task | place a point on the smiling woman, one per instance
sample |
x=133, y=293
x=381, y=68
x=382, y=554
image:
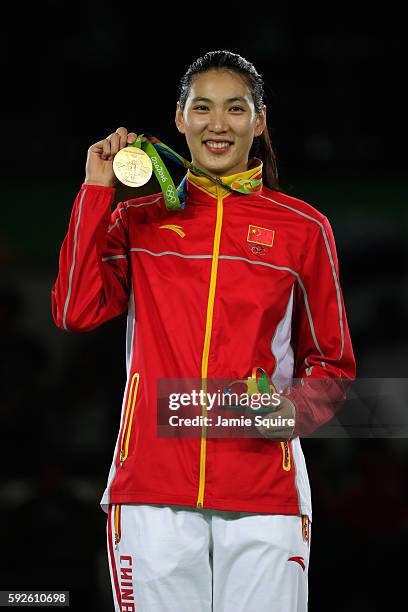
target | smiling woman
x=221, y=112
x=243, y=279
x=219, y=132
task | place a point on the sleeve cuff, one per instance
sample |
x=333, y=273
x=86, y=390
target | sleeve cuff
x=94, y=187
x=289, y=399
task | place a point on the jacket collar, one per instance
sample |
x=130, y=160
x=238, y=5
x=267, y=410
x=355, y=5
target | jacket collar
x=241, y=179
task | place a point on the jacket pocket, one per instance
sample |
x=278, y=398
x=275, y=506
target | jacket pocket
x=286, y=459
x=117, y=523
x=128, y=418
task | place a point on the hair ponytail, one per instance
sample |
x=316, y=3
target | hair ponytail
x=262, y=148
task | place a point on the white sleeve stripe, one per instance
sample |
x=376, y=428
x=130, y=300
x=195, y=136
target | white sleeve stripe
x=309, y=315
x=126, y=206
x=114, y=257
x=336, y=282
x=143, y=203
x=111, y=227
x=71, y=272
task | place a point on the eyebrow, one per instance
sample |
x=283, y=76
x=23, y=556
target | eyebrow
x=235, y=99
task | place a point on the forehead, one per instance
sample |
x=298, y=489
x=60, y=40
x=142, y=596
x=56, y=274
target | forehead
x=219, y=85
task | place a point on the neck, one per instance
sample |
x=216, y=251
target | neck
x=253, y=162
x=246, y=181
x=243, y=167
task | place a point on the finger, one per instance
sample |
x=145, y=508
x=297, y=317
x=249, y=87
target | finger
x=101, y=148
x=105, y=149
x=114, y=140
x=131, y=137
x=97, y=147
x=273, y=432
x=122, y=131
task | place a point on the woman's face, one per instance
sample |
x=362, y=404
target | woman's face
x=220, y=122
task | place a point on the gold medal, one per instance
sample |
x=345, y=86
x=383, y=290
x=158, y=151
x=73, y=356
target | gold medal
x=132, y=166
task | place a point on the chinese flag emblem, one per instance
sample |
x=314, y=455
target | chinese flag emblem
x=260, y=235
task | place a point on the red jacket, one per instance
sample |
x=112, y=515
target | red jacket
x=230, y=282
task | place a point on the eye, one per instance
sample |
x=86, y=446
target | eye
x=200, y=107
x=237, y=108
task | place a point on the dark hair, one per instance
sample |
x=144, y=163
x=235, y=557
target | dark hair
x=226, y=60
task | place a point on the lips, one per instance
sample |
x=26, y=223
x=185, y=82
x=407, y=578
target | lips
x=218, y=146
x=217, y=141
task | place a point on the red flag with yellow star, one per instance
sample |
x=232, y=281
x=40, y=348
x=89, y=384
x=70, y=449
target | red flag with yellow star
x=260, y=235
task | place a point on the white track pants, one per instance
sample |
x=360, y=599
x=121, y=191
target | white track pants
x=176, y=558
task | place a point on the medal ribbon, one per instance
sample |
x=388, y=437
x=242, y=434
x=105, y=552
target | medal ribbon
x=175, y=198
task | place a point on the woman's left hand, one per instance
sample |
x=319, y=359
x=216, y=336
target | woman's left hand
x=283, y=428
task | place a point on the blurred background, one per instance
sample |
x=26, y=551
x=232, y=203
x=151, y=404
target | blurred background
x=336, y=115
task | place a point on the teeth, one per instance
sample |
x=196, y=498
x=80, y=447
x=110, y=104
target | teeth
x=217, y=145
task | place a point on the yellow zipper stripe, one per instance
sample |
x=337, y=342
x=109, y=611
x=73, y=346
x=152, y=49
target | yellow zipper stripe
x=124, y=448
x=285, y=455
x=207, y=340
x=118, y=534
x=305, y=528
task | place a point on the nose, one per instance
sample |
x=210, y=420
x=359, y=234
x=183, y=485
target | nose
x=217, y=122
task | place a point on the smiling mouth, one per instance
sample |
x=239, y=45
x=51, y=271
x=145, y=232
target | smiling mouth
x=217, y=146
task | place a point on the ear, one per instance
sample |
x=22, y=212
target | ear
x=260, y=124
x=179, y=119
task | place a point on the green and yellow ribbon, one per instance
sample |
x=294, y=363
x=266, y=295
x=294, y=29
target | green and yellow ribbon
x=175, y=197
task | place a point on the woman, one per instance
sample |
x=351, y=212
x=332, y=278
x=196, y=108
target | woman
x=242, y=276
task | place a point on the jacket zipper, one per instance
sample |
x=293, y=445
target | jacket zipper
x=285, y=455
x=128, y=418
x=207, y=340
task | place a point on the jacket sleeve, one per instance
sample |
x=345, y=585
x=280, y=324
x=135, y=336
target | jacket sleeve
x=92, y=285
x=324, y=360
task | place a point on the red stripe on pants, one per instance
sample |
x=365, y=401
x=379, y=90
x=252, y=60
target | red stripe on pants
x=112, y=557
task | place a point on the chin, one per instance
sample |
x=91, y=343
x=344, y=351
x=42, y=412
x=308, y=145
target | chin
x=220, y=168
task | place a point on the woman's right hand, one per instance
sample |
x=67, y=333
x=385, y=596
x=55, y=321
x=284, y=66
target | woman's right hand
x=99, y=163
